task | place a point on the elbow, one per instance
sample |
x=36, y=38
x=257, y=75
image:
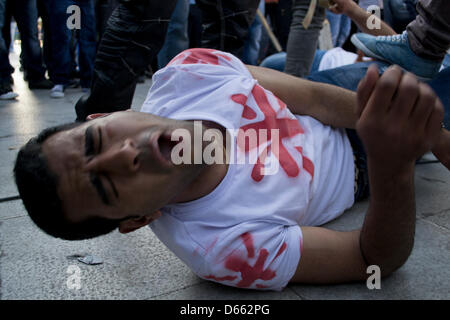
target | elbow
x=389, y=262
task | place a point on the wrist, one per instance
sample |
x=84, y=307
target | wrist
x=390, y=169
x=351, y=9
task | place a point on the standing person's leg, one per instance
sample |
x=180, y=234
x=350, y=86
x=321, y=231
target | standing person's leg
x=226, y=23
x=60, y=35
x=252, y=42
x=26, y=15
x=429, y=33
x=5, y=68
x=302, y=43
x=195, y=26
x=134, y=34
x=177, y=34
x=87, y=43
x=46, y=50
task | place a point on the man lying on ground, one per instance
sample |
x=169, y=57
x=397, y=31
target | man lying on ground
x=282, y=165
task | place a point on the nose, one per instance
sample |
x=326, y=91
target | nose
x=119, y=158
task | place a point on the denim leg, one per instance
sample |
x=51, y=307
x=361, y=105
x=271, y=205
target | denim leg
x=344, y=30
x=334, y=20
x=60, y=35
x=87, y=42
x=252, y=43
x=275, y=61
x=176, y=37
x=349, y=76
x=134, y=34
x=5, y=67
x=25, y=14
x=302, y=43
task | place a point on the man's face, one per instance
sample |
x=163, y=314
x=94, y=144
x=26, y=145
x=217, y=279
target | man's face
x=117, y=166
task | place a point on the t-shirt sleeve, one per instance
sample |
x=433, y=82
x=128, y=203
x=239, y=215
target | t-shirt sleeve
x=255, y=255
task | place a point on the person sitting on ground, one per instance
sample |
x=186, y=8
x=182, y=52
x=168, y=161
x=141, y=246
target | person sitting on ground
x=253, y=223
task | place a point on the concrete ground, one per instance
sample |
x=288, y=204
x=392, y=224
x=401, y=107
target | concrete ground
x=138, y=266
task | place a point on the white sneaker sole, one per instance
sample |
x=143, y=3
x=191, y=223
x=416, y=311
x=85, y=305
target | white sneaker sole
x=57, y=95
x=9, y=96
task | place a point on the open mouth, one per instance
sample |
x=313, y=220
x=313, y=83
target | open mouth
x=162, y=146
x=166, y=145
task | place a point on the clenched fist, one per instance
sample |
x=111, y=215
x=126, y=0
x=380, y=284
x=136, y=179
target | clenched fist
x=399, y=118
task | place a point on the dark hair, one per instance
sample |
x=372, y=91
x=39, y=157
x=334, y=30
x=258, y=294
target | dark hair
x=37, y=187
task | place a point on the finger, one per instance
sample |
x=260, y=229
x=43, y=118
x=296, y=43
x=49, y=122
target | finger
x=405, y=97
x=381, y=98
x=433, y=127
x=424, y=107
x=365, y=88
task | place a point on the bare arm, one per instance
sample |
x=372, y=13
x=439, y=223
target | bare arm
x=398, y=121
x=361, y=17
x=331, y=105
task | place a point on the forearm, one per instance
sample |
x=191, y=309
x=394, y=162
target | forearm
x=360, y=17
x=387, y=235
x=329, y=104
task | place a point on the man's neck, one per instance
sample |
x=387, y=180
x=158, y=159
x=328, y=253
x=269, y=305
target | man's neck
x=210, y=176
x=208, y=179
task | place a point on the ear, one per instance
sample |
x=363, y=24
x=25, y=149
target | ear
x=96, y=115
x=133, y=224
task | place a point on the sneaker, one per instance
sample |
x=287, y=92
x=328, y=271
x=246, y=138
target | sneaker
x=6, y=92
x=396, y=50
x=40, y=84
x=57, y=91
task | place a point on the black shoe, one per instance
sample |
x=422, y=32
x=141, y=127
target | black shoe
x=40, y=84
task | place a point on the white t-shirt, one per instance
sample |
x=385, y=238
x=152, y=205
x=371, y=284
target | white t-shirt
x=246, y=232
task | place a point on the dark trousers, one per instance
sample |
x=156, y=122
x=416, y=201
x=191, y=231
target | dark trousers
x=429, y=33
x=135, y=33
x=5, y=67
x=226, y=23
x=60, y=61
x=133, y=36
x=26, y=15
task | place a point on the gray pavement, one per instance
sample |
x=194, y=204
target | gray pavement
x=138, y=266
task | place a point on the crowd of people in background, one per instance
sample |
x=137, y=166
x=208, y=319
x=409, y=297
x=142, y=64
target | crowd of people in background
x=56, y=57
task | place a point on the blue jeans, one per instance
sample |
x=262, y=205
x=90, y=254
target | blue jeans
x=349, y=76
x=5, y=67
x=177, y=34
x=340, y=27
x=277, y=61
x=26, y=15
x=60, y=64
x=252, y=42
